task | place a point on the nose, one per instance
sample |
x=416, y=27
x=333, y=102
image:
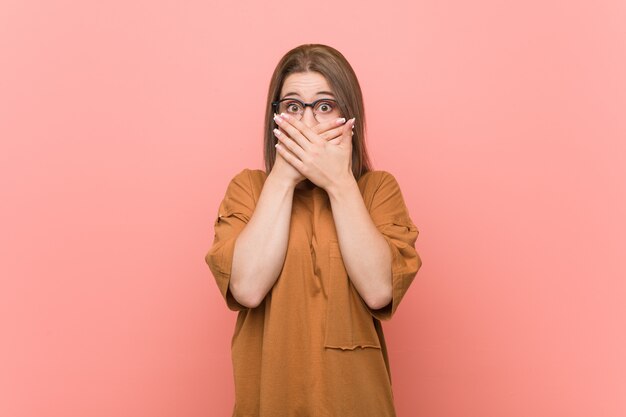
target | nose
x=308, y=117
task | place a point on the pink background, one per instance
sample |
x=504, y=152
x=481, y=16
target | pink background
x=122, y=122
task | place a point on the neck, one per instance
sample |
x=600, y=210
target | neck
x=305, y=185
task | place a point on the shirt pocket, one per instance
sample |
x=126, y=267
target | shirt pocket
x=348, y=322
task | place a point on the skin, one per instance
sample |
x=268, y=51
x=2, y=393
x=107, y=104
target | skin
x=311, y=153
x=312, y=81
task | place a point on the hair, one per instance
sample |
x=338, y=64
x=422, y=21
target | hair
x=341, y=78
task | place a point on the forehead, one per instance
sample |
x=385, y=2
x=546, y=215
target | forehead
x=305, y=84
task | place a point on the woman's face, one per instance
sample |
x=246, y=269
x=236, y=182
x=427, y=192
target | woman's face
x=308, y=87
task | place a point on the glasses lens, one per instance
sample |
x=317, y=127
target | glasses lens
x=291, y=107
x=326, y=109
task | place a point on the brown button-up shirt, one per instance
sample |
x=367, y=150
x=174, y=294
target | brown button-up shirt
x=313, y=347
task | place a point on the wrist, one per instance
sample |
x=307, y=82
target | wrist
x=281, y=181
x=342, y=186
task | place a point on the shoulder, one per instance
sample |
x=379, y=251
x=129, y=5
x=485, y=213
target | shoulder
x=248, y=182
x=375, y=179
x=256, y=179
x=249, y=176
x=385, y=200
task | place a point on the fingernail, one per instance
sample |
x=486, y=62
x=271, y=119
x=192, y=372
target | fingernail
x=277, y=118
x=340, y=120
x=284, y=116
x=277, y=132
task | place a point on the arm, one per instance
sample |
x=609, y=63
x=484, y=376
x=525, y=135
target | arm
x=261, y=246
x=364, y=250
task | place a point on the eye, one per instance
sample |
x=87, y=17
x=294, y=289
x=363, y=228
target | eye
x=293, y=106
x=325, y=106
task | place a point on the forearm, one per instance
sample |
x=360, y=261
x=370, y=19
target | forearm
x=261, y=246
x=365, y=252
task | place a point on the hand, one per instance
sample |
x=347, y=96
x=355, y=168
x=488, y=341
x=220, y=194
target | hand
x=323, y=162
x=327, y=131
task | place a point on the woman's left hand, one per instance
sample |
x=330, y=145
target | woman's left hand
x=325, y=162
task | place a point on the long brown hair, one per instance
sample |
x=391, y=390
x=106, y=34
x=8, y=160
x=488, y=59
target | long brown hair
x=342, y=80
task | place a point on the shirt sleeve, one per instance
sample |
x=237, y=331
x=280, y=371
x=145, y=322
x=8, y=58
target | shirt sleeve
x=233, y=214
x=391, y=217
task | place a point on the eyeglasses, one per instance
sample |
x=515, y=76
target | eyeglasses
x=323, y=109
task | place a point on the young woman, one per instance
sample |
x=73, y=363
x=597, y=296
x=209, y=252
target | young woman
x=313, y=252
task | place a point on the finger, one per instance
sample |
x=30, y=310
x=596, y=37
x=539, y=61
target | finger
x=304, y=132
x=289, y=143
x=336, y=135
x=289, y=157
x=332, y=134
x=348, y=132
x=280, y=154
x=339, y=138
x=285, y=122
x=325, y=126
x=336, y=140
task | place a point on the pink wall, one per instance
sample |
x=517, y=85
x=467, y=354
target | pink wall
x=122, y=122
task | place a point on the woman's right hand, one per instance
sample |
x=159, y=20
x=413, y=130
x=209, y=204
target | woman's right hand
x=285, y=171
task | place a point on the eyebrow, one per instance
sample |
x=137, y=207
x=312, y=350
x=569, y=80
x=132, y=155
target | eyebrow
x=293, y=93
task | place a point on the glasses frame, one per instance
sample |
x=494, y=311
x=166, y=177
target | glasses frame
x=275, y=104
